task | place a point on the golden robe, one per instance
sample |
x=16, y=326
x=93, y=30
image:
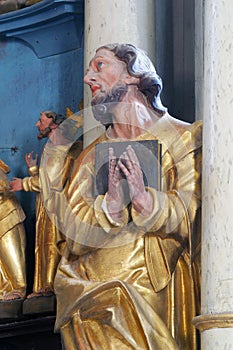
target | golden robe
x=134, y=283
x=50, y=241
x=12, y=242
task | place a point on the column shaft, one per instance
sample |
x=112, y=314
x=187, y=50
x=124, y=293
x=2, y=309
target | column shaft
x=217, y=229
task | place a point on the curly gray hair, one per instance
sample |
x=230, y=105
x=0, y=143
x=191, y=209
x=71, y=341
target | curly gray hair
x=139, y=65
x=57, y=118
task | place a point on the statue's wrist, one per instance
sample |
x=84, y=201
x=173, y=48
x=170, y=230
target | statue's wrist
x=143, y=204
x=114, y=207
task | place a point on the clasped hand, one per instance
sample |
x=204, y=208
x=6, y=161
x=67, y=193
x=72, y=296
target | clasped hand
x=127, y=164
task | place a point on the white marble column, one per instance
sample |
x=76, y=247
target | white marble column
x=216, y=94
x=128, y=21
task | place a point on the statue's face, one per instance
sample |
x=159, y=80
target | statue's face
x=44, y=126
x=105, y=75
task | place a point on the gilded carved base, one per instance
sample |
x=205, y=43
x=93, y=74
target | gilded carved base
x=10, y=310
x=40, y=305
x=221, y=320
x=16, y=309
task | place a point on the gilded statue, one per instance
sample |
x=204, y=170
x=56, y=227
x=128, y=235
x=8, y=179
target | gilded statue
x=12, y=242
x=50, y=241
x=129, y=277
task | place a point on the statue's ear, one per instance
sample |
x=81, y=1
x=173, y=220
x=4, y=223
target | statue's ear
x=130, y=80
x=54, y=126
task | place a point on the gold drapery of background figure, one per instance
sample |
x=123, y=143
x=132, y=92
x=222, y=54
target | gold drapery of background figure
x=49, y=243
x=154, y=306
x=12, y=242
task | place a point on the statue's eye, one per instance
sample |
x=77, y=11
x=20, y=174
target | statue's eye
x=99, y=64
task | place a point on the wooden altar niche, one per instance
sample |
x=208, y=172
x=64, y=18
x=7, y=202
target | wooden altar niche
x=50, y=30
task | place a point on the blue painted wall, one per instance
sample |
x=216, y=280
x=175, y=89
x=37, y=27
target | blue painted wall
x=28, y=85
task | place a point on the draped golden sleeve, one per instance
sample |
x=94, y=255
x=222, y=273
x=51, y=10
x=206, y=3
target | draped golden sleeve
x=32, y=183
x=134, y=283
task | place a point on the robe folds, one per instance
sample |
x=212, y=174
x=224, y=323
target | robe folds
x=49, y=240
x=12, y=242
x=134, y=283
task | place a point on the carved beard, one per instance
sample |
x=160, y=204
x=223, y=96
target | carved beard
x=102, y=105
x=44, y=133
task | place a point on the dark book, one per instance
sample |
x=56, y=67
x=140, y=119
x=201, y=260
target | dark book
x=148, y=153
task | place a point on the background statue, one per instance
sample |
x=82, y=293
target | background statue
x=49, y=239
x=12, y=242
x=129, y=276
x=13, y=5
